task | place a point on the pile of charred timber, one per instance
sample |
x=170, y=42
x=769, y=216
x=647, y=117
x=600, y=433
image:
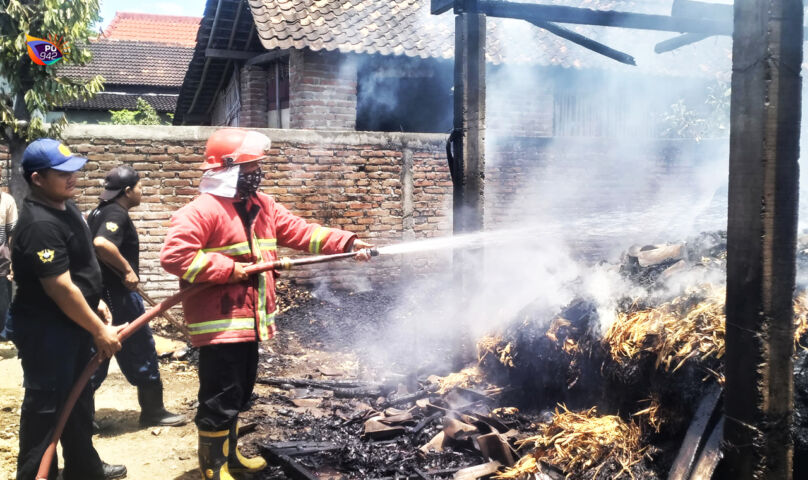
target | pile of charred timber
x=577, y=394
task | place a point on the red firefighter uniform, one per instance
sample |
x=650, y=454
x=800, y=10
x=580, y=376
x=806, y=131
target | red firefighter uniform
x=208, y=235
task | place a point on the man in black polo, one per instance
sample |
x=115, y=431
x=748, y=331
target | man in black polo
x=117, y=246
x=55, y=321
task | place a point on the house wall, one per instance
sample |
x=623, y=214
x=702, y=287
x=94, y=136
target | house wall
x=227, y=105
x=602, y=192
x=322, y=90
x=520, y=112
x=519, y=101
x=253, y=97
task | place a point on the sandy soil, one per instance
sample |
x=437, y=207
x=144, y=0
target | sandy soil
x=315, y=337
x=165, y=453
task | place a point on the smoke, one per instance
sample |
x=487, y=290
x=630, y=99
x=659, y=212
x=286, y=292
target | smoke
x=585, y=157
x=580, y=165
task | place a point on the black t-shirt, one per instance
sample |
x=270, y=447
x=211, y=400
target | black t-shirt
x=47, y=243
x=112, y=222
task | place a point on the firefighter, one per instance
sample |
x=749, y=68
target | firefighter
x=212, y=239
x=54, y=316
x=118, y=249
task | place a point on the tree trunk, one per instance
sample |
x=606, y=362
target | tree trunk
x=17, y=185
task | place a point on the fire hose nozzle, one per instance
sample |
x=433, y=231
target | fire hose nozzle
x=373, y=251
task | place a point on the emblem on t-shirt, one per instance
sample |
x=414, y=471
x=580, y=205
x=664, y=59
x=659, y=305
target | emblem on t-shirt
x=45, y=256
x=112, y=227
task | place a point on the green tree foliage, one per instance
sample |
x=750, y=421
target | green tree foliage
x=144, y=115
x=709, y=119
x=27, y=90
x=40, y=87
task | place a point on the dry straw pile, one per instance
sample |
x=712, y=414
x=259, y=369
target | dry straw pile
x=689, y=326
x=581, y=441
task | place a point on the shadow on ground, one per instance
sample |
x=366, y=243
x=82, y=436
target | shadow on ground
x=117, y=422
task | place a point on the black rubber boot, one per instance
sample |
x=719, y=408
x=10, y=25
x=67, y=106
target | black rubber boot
x=213, y=448
x=152, y=410
x=113, y=471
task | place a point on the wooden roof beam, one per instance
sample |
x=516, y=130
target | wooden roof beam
x=229, y=54
x=605, y=18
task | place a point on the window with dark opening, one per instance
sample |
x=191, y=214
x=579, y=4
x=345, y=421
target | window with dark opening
x=398, y=97
x=278, y=94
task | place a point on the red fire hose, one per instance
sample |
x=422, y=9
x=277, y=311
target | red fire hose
x=95, y=362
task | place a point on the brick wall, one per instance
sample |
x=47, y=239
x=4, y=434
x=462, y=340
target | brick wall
x=385, y=187
x=606, y=191
x=253, y=95
x=322, y=90
x=520, y=111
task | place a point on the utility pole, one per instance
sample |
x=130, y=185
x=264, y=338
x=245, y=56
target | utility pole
x=468, y=139
x=761, y=238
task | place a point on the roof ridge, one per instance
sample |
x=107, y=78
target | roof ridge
x=155, y=16
x=143, y=43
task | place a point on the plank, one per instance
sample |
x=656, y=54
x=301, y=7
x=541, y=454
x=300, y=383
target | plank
x=711, y=455
x=680, y=470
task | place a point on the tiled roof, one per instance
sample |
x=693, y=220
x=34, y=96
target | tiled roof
x=134, y=63
x=406, y=27
x=169, y=29
x=117, y=101
x=231, y=29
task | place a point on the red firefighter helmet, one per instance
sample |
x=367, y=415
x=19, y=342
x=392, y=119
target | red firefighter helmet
x=234, y=146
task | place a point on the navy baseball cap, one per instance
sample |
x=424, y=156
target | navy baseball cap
x=50, y=153
x=117, y=180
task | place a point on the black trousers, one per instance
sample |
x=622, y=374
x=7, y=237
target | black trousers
x=226, y=379
x=137, y=357
x=5, y=302
x=40, y=409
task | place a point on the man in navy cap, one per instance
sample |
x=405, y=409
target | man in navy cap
x=54, y=314
x=117, y=246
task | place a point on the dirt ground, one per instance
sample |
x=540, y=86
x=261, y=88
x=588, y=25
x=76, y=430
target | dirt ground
x=319, y=338
x=170, y=452
x=155, y=452
x=147, y=453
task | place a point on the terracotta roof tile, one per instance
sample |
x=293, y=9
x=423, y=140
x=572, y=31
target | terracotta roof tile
x=134, y=63
x=168, y=29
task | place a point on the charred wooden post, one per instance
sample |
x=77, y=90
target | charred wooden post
x=468, y=145
x=761, y=238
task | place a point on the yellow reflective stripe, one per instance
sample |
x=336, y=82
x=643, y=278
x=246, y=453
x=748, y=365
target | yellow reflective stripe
x=262, y=307
x=220, y=433
x=317, y=237
x=267, y=243
x=198, y=264
x=242, y=248
x=221, y=325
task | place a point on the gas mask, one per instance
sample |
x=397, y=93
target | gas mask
x=248, y=182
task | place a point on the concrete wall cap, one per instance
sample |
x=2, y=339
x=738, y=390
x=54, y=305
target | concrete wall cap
x=74, y=132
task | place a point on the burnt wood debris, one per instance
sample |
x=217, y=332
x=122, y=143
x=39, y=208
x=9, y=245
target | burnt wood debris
x=550, y=394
